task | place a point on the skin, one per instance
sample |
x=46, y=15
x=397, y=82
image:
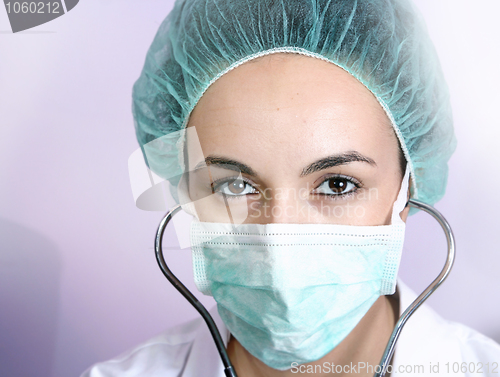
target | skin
x=274, y=118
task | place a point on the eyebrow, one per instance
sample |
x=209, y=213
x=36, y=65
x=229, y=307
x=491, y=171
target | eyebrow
x=336, y=160
x=322, y=164
x=226, y=163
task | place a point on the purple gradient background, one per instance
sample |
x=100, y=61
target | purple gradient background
x=78, y=279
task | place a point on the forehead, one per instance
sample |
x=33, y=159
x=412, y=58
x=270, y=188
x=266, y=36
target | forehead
x=293, y=104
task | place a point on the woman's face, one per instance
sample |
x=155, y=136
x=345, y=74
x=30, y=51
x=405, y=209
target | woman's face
x=293, y=139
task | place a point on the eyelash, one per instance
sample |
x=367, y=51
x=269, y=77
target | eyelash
x=357, y=184
x=219, y=182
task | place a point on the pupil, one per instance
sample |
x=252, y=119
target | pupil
x=237, y=187
x=338, y=185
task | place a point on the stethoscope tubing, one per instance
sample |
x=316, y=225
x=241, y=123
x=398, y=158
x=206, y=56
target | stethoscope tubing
x=450, y=239
x=228, y=368
x=391, y=345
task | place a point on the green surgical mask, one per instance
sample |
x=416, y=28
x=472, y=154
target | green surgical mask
x=290, y=293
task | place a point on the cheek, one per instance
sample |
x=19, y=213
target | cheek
x=379, y=207
x=365, y=207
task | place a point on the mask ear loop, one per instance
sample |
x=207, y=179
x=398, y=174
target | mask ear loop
x=450, y=238
x=228, y=368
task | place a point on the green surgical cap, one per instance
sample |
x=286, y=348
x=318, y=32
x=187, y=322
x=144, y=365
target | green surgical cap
x=382, y=43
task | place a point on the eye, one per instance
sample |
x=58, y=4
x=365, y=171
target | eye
x=337, y=186
x=233, y=187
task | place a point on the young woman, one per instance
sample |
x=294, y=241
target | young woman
x=313, y=122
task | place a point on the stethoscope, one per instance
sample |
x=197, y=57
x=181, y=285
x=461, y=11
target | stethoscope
x=391, y=345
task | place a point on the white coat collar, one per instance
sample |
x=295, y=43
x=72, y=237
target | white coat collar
x=424, y=341
x=203, y=358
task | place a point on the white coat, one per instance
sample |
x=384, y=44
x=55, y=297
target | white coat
x=428, y=346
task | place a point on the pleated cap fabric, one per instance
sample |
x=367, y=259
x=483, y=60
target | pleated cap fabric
x=382, y=43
